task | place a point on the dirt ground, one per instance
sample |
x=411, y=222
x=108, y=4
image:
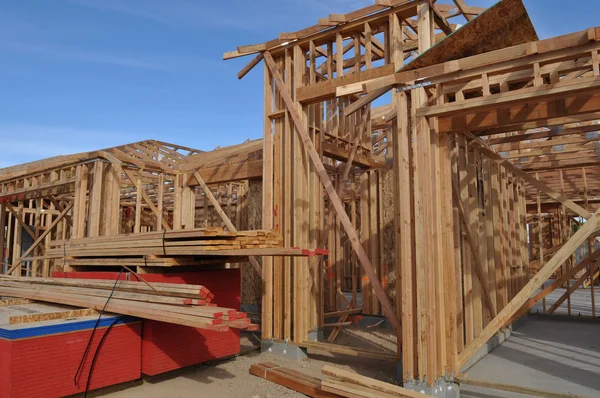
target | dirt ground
x=231, y=378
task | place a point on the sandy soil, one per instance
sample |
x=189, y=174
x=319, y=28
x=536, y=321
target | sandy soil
x=230, y=378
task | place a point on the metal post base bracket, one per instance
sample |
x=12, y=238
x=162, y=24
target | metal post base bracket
x=283, y=349
x=441, y=388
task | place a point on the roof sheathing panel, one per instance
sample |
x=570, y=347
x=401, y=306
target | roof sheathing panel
x=505, y=24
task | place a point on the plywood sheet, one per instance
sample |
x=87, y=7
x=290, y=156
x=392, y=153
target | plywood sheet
x=503, y=25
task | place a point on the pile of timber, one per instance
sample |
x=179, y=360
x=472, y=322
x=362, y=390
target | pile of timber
x=350, y=384
x=340, y=383
x=187, y=305
x=292, y=379
x=188, y=242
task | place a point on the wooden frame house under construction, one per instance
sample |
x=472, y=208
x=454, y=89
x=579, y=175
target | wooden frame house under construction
x=424, y=161
x=491, y=138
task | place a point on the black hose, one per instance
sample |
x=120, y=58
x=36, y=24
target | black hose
x=89, y=379
x=87, y=348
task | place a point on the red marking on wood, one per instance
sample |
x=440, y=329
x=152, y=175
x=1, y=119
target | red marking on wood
x=167, y=347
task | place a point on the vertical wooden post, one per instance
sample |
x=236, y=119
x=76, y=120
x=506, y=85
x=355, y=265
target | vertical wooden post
x=161, y=194
x=39, y=203
x=541, y=233
x=565, y=226
x=9, y=236
x=267, y=217
x=288, y=203
x=95, y=200
x=275, y=216
x=400, y=136
x=177, y=203
x=115, y=215
x=365, y=235
x=375, y=233
x=80, y=206
x=138, y=205
x=590, y=243
x=19, y=220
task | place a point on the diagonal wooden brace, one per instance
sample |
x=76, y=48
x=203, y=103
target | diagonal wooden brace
x=223, y=216
x=309, y=147
x=531, y=287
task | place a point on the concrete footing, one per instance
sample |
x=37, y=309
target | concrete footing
x=493, y=343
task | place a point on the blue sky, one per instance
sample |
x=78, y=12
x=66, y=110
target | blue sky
x=78, y=75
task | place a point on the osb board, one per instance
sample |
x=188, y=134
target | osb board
x=251, y=281
x=503, y=25
x=388, y=257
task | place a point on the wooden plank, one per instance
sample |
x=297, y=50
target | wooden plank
x=355, y=352
x=294, y=380
x=350, y=390
x=96, y=200
x=568, y=87
x=532, y=286
x=336, y=152
x=327, y=89
x=522, y=116
x=267, y=210
x=3, y=235
x=123, y=307
x=514, y=388
x=350, y=311
x=338, y=205
x=160, y=203
x=246, y=69
x=375, y=385
x=79, y=209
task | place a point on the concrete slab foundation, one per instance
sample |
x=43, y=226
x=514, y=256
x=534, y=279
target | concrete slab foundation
x=559, y=356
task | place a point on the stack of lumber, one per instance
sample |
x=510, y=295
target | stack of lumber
x=341, y=383
x=350, y=384
x=187, y=305
x=198, y=241
x=291, y=379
